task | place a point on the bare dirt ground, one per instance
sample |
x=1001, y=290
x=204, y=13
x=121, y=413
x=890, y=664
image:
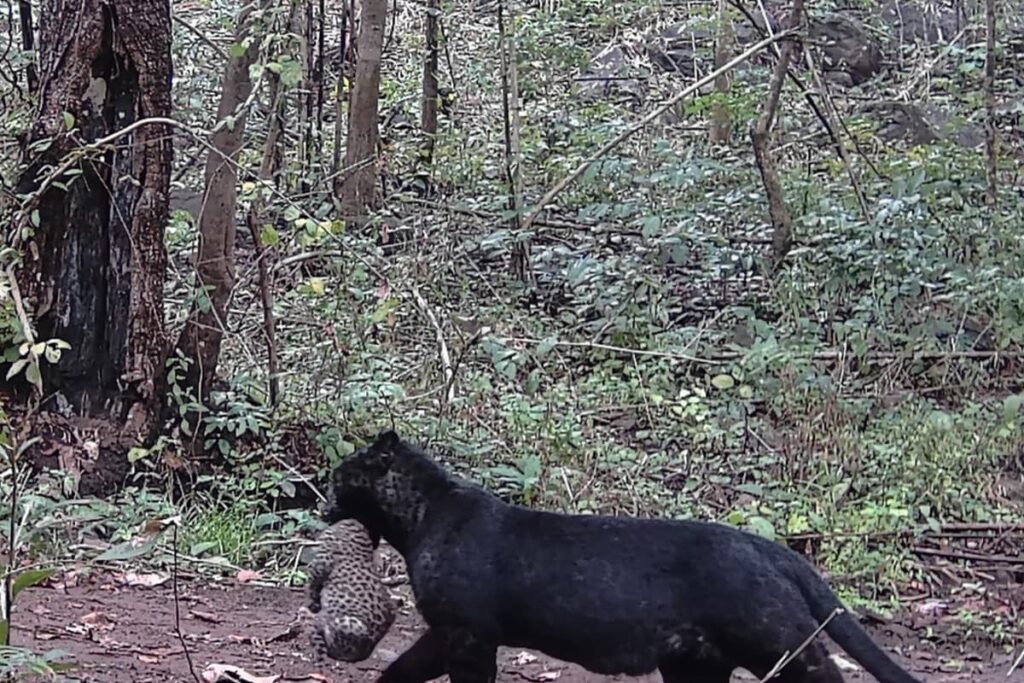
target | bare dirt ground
x=121, y=627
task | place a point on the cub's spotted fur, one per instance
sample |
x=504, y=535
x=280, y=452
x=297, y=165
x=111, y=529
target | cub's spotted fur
x=352, y=607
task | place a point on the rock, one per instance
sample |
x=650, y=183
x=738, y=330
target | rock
x=901, y=121
x=919, y=124
x=849, y=53
x=611, y=76
x=674, y=49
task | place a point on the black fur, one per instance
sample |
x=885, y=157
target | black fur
x=616, y=595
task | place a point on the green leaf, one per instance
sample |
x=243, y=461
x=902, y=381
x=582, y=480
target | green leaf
x=383, y=310
x=236, y=50
x=546, y=344
x=1012, y=405
x=34, y=218
x=266, y=519
x=736, y=517
x=16, y=367
x=650, y=226
x=69, y=120
x=761, y=527
x=33, y=376
x=723, y=382
x=198, y=549
x=52, y=354
x=746, y=391
x=291, y=73
x=127, y=550
x=29, y=578
x=752, y=489
x=269, y=236
x=136, y=453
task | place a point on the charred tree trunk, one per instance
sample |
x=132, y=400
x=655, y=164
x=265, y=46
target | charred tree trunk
x=27, y=41
x=358, y=190
x=95, y=262
x=200, y=341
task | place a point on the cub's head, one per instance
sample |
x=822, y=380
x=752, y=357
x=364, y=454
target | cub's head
x=386, y=486
x=358, y=486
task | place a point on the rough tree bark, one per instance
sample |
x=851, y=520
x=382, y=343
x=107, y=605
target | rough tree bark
x=782, y=224
x=992, y=189
x=721, y=123
x=358, y=187
x=428, y=118
x=95, y=261
x=200, y=341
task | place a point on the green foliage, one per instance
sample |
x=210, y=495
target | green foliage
x=653, y=365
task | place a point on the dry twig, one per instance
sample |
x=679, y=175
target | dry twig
x=643, y=123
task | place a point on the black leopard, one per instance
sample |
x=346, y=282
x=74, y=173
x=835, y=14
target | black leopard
x=616, y=595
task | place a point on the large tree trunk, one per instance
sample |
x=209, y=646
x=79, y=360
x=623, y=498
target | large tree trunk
x=358, y=190
x=94, y=254
x=201, y=338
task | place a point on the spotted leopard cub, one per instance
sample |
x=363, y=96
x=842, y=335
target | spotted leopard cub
x=351, y=605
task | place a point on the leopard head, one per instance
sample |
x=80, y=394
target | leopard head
x=386, y=486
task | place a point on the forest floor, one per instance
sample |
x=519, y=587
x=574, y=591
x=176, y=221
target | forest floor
x=121, y=626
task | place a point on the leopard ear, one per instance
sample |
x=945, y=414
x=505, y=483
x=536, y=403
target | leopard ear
x=385, y=445
x=386, y=441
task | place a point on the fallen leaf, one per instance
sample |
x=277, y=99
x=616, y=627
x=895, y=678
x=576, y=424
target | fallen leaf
x=148, y=659
x=43, y=635
x=931, y=607
x=246, y=575
x=97, y=621
x=549, y=676
x=205, y=616
x=145, y=580
x=843, y=663
x=225, y=673
x=524, y=658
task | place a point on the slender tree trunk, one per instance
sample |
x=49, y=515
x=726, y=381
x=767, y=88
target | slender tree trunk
x=991, y=154
x=358, y=189
x=782, y=224
x=510, y=108
x=341, y=96
x=428, y=118
x=27, y=41
x=309, y=83
x=257, y=222
x=95, y=262
x=320, y=68
x=200, y=340
x=721, y=123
